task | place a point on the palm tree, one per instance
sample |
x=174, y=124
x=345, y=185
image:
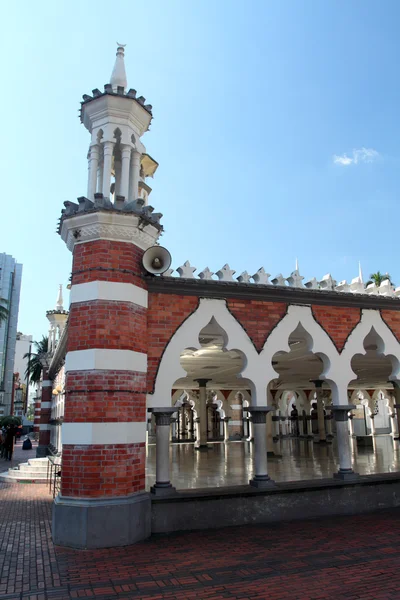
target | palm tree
x=3, y=310
x=378, y=278
x=35, y=367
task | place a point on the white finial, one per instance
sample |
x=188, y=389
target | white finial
x=360, y=273
x=59, y=303
x=118, y=75
x=297, y=264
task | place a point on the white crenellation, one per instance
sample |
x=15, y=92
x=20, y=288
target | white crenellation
x=226, y=273
x=312, y=284
x=295, y=279
x=244, y=277
x=186, y=270
x=327, y=282
x=279, y=280
x=261, y=277
x=206, y=274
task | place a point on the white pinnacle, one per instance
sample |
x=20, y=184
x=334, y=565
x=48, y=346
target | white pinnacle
x=118, y=75
x=59, y=303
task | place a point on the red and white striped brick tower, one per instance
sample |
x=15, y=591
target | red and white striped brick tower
x=57, y=319
x=103, y=500
x=36, y=418
x=45, y=411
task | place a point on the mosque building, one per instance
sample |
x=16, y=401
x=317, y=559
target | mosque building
x=249, y=383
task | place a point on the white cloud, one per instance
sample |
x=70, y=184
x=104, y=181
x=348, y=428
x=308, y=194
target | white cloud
x=359, y=155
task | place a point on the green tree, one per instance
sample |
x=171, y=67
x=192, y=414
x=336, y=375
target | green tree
x=34, y=368
x=3, y=310
x=378, y=277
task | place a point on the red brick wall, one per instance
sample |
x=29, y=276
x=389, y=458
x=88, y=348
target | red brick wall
x=105, y=396
x=102, y=471
x=105, y=324
x=257, y=317
x=337, y=321
x=103, y=260
x=392, y=320
x=166, y=313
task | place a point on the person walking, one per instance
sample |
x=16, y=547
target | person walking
x=9, y=442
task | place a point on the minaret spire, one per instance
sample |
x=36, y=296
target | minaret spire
x=59, y=303
x=360, y=274
x=118, y=75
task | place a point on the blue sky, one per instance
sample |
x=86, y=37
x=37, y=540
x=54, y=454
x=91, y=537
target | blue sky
x=252, y=102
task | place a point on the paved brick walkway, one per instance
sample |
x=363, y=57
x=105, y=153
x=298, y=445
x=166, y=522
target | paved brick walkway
x=339, y=558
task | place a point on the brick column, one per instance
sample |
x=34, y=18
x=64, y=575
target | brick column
x=103, y=500
x=36, y=418
x=45, y=413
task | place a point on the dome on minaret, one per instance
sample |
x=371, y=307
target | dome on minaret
x=118, y=75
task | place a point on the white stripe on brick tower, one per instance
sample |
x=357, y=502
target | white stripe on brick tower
x=104, y=426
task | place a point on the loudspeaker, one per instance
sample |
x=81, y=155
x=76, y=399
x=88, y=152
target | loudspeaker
x=156, y=260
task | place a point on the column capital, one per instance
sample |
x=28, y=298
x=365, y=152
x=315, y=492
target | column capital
x=259, y=413
x=109, y=145
x=163, y=415
x=317, y=382
x=202, y=382
x=341, y=411
x=126, y=150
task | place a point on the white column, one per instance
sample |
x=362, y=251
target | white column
x=162, y=485
x=93, y=164
x=261, y=478
x=126, y=159
x=202, y=445
x=396, y=406
x=371, y=418
x=270, y=435
x=351, y=424
x=107, y=165
x=320, y=412
x=134, y=175
x=226, y=429
x=343, y=441
x=393, y=422
x=100, y=177
x=329, y=432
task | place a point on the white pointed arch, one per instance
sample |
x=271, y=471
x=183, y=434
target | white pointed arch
x=319, y=342
x=187, y=336
x=388, y=344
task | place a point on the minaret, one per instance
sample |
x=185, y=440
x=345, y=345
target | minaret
x=116, y=120
x=103, y=501
x=57, y=319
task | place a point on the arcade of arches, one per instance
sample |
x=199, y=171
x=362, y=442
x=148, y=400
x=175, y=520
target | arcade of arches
x=212, y=431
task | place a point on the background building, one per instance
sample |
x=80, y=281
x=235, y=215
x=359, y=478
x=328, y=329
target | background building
x=10, y=286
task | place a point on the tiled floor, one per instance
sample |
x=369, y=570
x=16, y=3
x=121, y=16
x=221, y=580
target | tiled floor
x=232, y=463
x=340, y=558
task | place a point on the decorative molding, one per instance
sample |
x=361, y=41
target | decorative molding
x=84, y=434
x=104, y=359
x=107, y=225
x=110, y=291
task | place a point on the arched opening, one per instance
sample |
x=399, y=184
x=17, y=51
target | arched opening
x=301, y=391
x=220, y=368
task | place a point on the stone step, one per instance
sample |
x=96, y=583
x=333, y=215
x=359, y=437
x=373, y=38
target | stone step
x=38, y=461
x=15, y=476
